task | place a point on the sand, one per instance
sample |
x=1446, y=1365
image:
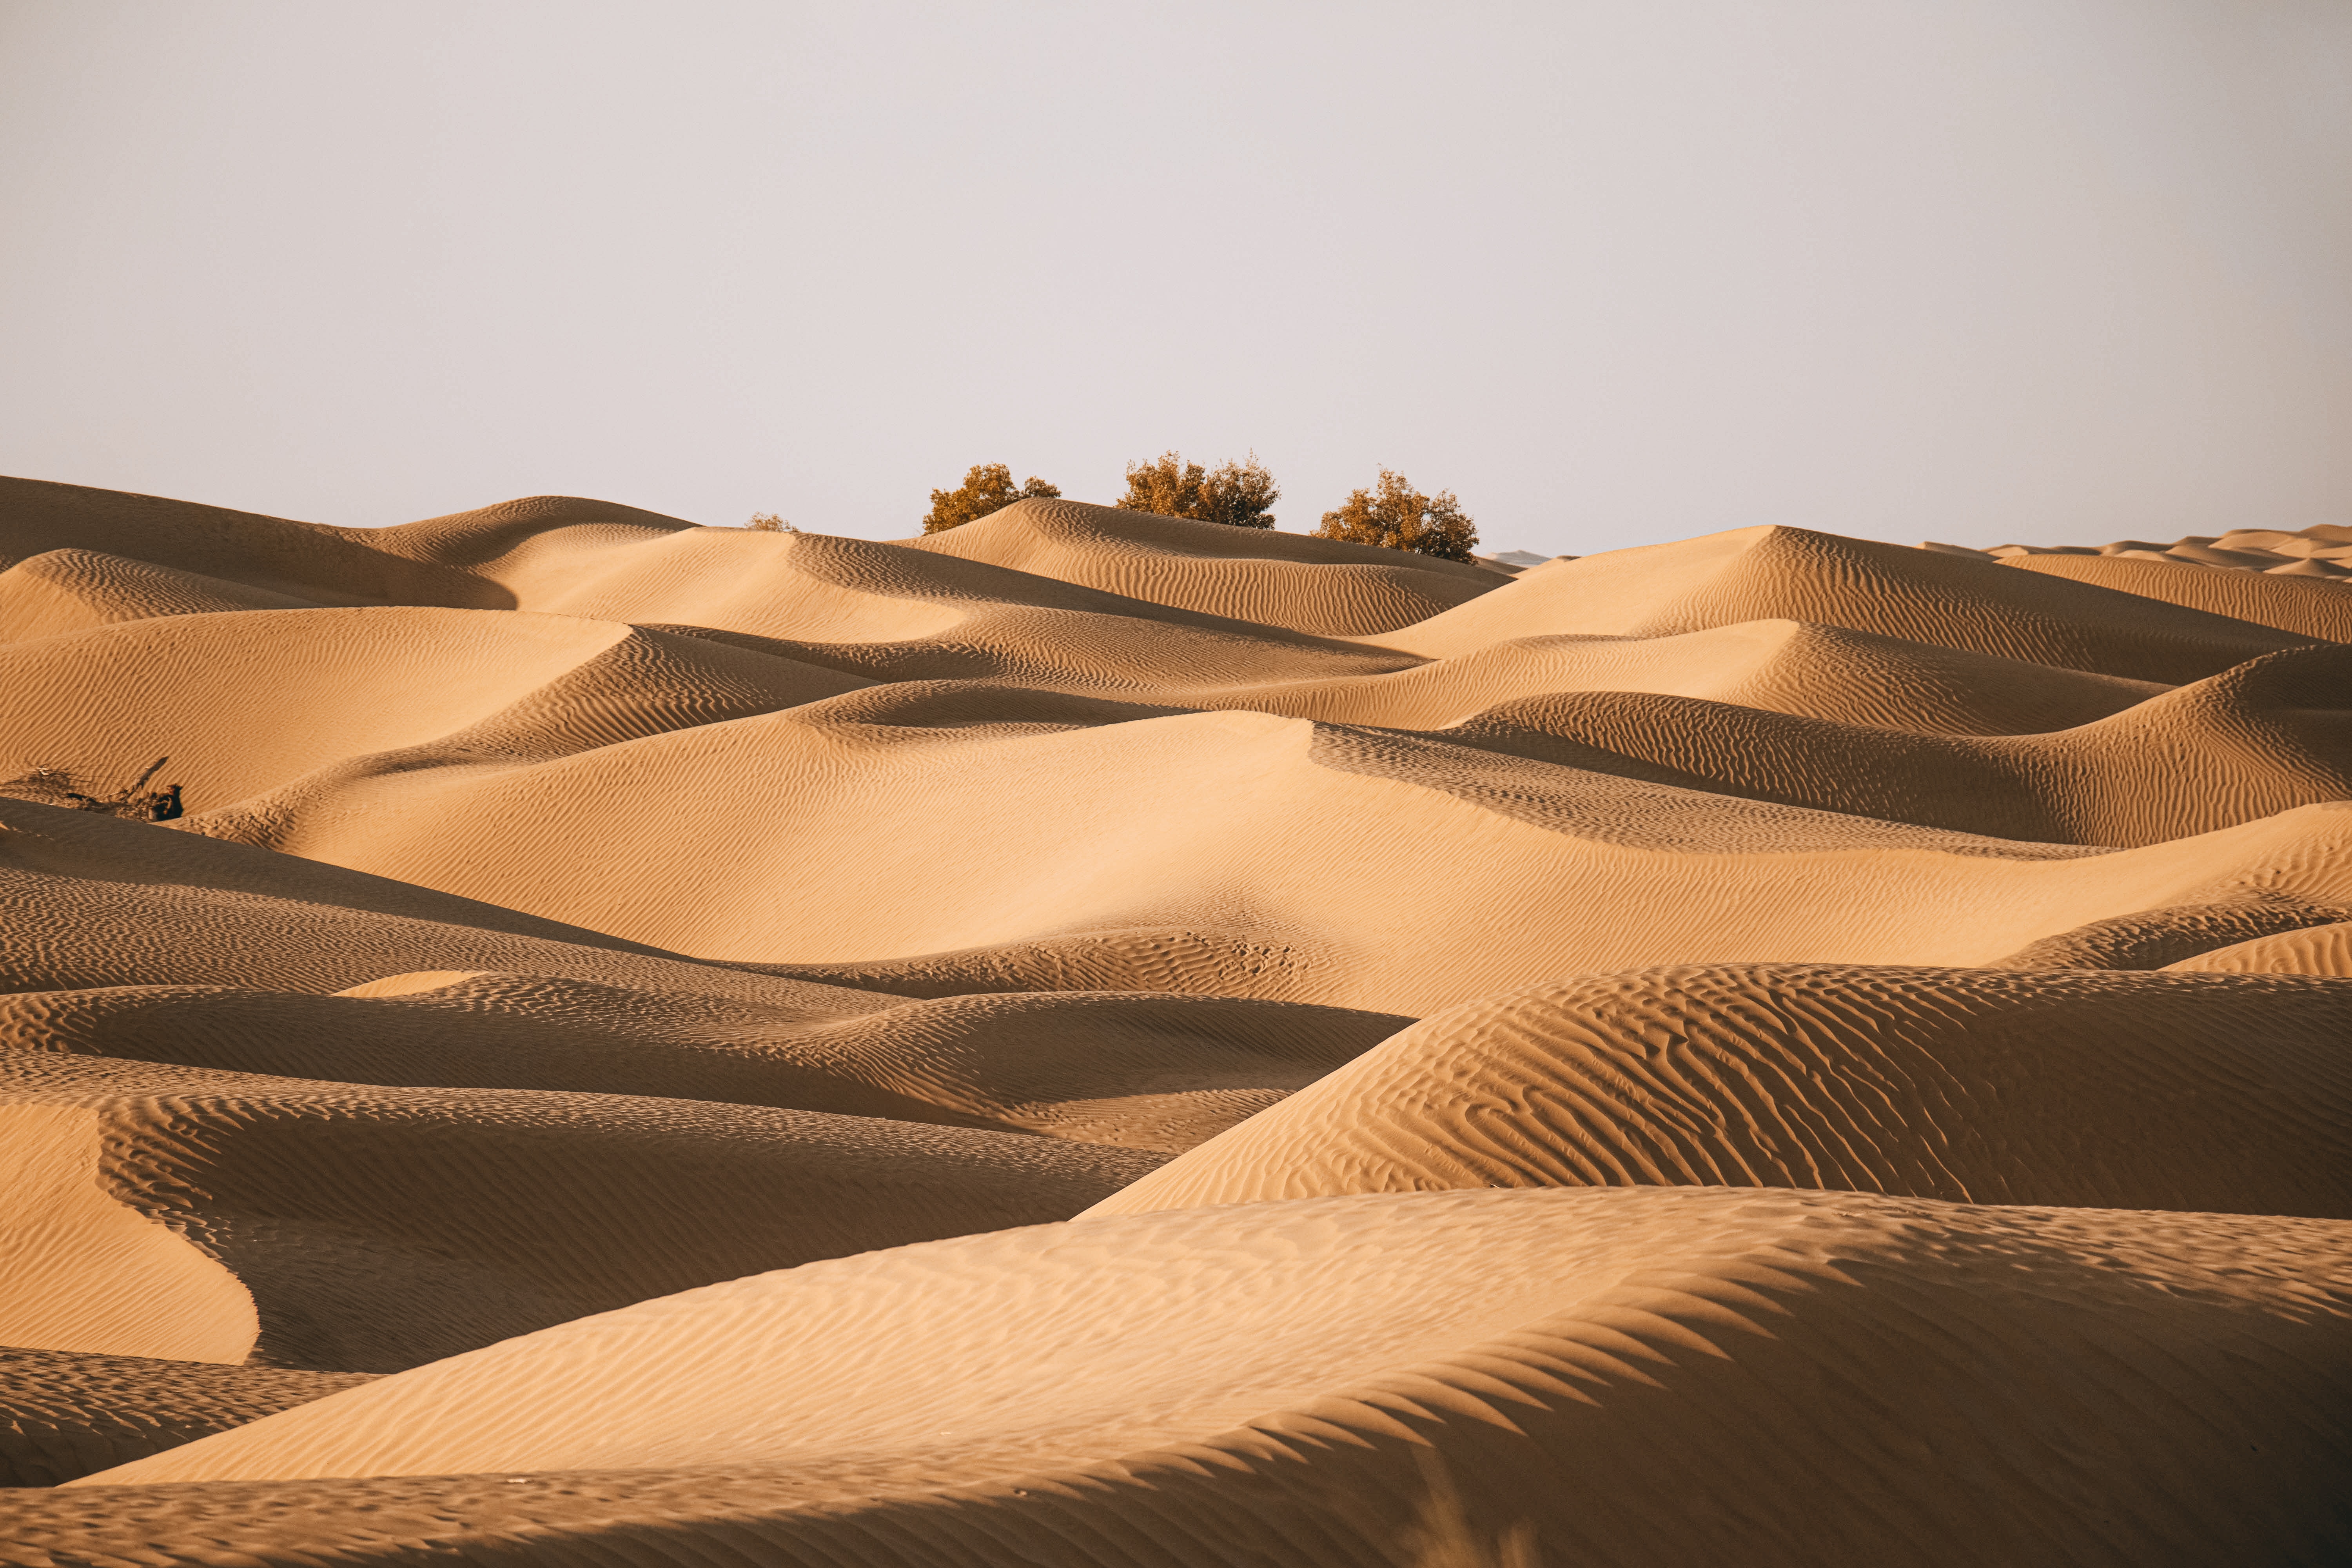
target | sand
x=329, y=1226
x=2316, y=950
x=1095, y=1038
x=1939, y=1383
x=69, y=1414
x=2222, y=1094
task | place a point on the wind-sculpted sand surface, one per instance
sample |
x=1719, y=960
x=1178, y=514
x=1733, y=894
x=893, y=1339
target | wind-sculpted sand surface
x=1097, y=1038
x=2093, y=1089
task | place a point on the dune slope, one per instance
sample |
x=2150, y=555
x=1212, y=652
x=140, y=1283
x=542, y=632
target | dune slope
x=1440, y=840
x=1792, y=573
x=1150, y=1070
x=242, y=703
x=2271, y=734
x=2103, y=1091
x=74, y=590
x=2299, y=605
x=64, y=1415
x=1776, y=1341
x=2312, y=950
x=1320, y=585
x=376, y=1228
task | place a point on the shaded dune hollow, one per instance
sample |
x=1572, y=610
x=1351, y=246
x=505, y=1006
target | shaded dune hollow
x=1114, y=1041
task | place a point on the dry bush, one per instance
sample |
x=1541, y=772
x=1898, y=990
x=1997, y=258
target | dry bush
x=51, y=785
x=1396, y=516
x=988, y=488
x=768, y=523
x=1240, y=495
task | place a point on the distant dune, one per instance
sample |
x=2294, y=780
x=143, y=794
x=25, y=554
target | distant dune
x=1099, y=1038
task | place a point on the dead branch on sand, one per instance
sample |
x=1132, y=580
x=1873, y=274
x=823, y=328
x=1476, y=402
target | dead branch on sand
x=51, y=786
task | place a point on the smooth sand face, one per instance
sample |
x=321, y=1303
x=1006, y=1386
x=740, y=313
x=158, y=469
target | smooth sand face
x=1097, y=1038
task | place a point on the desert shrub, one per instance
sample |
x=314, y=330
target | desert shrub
x=51, y=786
x=987, y=487
x=1396, y=516
x=1237, y=494
x=768, y=523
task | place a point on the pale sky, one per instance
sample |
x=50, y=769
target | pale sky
x=1614, y=271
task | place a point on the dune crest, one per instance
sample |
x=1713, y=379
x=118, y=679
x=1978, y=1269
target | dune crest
x=74, y=590
x=1792, y=573
x=1321, y=585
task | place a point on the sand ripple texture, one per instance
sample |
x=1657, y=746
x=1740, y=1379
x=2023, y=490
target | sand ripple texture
x=2124, y=1091
x=1775, y=1377
x=1097, y=1038
x=64, y=1413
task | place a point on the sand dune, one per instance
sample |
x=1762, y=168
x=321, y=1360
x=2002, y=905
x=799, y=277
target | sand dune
x=1150, y=1070
x=880, y=860
x=118, y=902
x=300, y=560
x=2167, y=934
x=1307, y=584
x=369, y=1229
x=243, y=702
x=64, y=1415
x=87, y=1272
x=73, y=590
x=2297, y=605
x=886, y=611
x=1767, y=1048
x=1778, y=666
x=2269, y=736
x=468, y=540
x=213, y=973
x=564, y=555
x=2315, y=950
x=1790, y=574
x=2324, y=552
x=2129, y=1091
x=1269, y=1373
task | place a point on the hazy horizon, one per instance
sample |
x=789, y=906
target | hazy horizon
x=1613, y=273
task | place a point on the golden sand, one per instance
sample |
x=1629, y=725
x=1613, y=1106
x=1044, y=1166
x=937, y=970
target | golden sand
x=1095, y=1039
